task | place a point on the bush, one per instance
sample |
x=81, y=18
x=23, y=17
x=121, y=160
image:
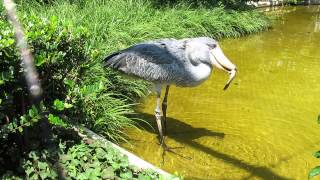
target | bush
x=75, y=89
x=59, y=59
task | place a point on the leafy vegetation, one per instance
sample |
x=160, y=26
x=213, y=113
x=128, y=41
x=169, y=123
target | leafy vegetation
x=316, y=170
x=70, y=88
x=98, y=161
x=68, y=97
x=73, y=158
x=59, y=58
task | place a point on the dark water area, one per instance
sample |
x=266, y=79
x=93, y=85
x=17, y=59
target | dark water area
x=264, y=126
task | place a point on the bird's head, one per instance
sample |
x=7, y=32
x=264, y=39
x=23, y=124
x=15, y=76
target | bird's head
x=218, y=59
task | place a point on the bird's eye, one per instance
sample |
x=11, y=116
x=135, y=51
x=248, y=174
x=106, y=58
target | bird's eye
x=212, y=46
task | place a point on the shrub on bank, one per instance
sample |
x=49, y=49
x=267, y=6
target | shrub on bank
x=71, y=93
x=60, y=61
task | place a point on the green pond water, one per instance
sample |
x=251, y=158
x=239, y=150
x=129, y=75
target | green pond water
x=264, y=126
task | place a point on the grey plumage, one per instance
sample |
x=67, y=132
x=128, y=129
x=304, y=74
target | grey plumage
x=185, y=62
x=155, y=61
x=162, y=61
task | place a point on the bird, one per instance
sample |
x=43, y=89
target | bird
x=184, y=62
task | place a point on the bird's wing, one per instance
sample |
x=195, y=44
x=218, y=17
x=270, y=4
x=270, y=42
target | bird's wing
x=153, y=61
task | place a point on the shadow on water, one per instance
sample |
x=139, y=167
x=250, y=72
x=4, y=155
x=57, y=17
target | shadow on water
x=185, y=134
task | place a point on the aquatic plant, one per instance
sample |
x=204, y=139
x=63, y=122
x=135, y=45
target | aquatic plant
x=316, y=170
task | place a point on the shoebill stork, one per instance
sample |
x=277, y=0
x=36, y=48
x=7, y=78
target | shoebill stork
x=185, y=63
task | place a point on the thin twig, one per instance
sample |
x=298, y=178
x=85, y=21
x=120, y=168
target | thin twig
x=30, y=72
x=27, y=64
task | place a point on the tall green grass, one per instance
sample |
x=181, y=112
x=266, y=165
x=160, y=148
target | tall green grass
x=116, y=24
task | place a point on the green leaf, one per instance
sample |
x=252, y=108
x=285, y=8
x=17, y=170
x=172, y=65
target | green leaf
x=29, y=171
x=126, y=175
x=20, y=129
x=314, y=172
x=124, y=162
x=31, y=113
x=65, y=158
x=44, y=175
x=42, y=165
x=39, y=60
x=56, y=120
x=115, y=165
x=67, y=105
x=143, y=177
x=317, y=154
x=69, y=83
x=319, y=119
x=108, y=173
x=34, y=176
x=100, y=153
x=23, y=119
x=58, y=105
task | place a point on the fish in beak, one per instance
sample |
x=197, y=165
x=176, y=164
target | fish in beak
x=222, y=62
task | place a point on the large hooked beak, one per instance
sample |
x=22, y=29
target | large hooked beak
x=222, y=62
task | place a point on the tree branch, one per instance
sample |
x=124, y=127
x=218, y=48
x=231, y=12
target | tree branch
x=27, y=64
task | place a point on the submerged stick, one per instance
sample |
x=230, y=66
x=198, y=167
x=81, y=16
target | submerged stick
x=27, y=62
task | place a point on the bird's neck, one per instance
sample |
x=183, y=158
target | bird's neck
x=199, y=73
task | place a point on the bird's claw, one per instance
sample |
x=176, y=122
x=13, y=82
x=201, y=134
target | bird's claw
x=170, y=149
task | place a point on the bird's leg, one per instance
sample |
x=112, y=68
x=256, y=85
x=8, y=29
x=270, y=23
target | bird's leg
x=164, y=110
x=158, y=115
x=164, y=125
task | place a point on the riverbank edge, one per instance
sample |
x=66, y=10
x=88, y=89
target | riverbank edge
x=133, y=159
x=274, y=3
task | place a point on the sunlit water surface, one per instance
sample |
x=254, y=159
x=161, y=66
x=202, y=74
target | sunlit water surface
x=264, y=126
